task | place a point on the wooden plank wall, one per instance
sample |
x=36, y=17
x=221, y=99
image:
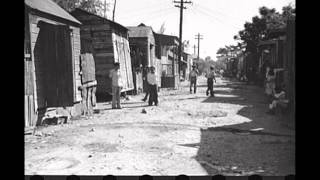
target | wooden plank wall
x=109, y=46
x=76, y=46
x=99, y=33
x=38, y=64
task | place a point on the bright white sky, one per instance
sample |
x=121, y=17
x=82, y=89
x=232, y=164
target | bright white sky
x=217, y=20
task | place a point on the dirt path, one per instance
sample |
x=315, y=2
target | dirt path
x=187, y=134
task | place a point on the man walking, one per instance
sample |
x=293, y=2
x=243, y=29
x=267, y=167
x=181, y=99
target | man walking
x=193, y=78
x=210, y=75
x=117, y=85
x=153, y=87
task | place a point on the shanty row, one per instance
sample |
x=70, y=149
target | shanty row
x=68, y=58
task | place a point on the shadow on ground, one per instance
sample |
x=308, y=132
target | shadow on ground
x=241, y=149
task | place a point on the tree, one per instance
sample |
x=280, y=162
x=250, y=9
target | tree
x=68, y=5
x=260, y=27
x=222, y=52
x=162, y=28
x=92, y=6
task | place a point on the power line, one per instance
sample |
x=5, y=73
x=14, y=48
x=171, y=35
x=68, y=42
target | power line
x=151, y=14
x=211, y=17
x=218, y=12
x=156, y=16
x=144, y=11
x=219, y=19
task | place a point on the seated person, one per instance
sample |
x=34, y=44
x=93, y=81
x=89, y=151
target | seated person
x=279, y=101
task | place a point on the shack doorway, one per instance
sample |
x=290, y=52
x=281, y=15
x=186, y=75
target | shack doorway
x=56, y=65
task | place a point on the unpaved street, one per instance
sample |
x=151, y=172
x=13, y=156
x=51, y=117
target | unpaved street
x=187, y=133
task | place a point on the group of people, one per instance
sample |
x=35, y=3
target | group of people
x=210, y=75
x=117, y=85
x=152, y=86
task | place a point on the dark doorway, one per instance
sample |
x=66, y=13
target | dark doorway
x=56, y=57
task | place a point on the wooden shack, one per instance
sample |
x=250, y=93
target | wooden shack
x=142, y=43
x=109, y=43
x=167, y=51
x=51, y=60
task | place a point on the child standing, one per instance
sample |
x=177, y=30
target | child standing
x=117, y=85
x=153, y=87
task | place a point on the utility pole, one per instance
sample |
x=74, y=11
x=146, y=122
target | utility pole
x=105, y=8
x=114, y=9
x=181, y=6
x=194, y=49
x=198, y=37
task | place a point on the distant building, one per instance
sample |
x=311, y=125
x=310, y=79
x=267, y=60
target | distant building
x=142, y=44
x=167, y=51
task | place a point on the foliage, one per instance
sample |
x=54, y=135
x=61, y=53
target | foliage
x=162, y=28
x=260, y=27
x=92, y=6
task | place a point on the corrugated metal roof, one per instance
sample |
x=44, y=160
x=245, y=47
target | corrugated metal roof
x=50, y=7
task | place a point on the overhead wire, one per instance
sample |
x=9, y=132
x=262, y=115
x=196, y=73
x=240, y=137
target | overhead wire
x=152, y=13
x=157, y=15
x=214, y=18
x=216, y=12
x=142, y=11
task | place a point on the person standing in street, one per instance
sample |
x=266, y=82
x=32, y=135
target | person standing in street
x=210, y=75
x=117, y=85
x=147, y=86
x=153, y=87
x=193, y=78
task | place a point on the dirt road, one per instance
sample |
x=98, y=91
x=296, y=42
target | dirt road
x=187, y=133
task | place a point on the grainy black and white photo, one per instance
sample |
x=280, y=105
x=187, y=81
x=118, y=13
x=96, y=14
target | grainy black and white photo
x=159, y=87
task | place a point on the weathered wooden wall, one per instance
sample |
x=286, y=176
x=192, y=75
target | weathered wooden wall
x=28, y=78
x=109, y=45
x=122, y=55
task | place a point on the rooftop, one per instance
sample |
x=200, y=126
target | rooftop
x=140, y=31
x=50, y=7
x=105, y=19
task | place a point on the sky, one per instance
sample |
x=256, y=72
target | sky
x=216, y=20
